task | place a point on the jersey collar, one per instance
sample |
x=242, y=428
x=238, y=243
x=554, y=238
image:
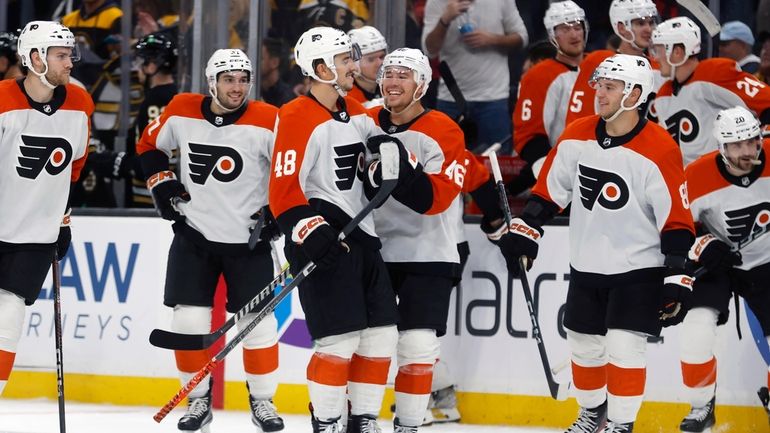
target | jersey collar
x=390, y=127
x=607, y=141
x=743, y=181
x=341, y=115
x=47, y=108
x=221, y=119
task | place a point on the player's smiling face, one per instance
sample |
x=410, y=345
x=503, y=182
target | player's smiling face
x=609, y=94
x=571, y=38
x=346, y=69
x=398, y=87
x=232, y=88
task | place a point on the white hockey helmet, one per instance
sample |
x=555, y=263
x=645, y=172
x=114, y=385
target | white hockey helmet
x=323, y=43
x=412, y=59
x=369, y=39
x=679, y=30
x=736, y=124
x=564, y=12
x=40, y=36
x=633, y=71
x=625, y=11
x=225, y=60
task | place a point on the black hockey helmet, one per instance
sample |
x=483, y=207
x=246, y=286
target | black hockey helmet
x=8, y=46
x=157, y=48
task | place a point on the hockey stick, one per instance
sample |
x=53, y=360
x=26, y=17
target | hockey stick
x=701, y=271
x=703, y=14
x=58, y=332
x=175, y=341
x=389, y=161
x=558, y=390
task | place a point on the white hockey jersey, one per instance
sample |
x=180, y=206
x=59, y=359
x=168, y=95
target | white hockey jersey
x=319, y=162
x=224, y=162
x=626, y=193
x=688, y=110
x=44, y=147
x=732, y=208
x=425, y=242
x=541, y=108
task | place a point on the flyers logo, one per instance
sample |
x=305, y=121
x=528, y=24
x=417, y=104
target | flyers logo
x=37, y=153
x=683, y=126
x=222, y=163
x=604, y=187
x=747, y=223
x=349, y=164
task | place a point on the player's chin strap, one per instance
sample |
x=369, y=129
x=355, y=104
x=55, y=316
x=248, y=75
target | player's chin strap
x=333, y=81
x=41, y=76
x=631, y=41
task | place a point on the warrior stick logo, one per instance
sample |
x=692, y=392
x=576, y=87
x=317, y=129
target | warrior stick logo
x=350, y=164
x=604, y=187
x=747, y=223
x=683, y=127
x=222, y=163
x=37, y=153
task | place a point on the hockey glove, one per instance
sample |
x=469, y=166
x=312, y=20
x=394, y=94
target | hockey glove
x=493, y=229
x=677, y=289
x=408, y=168
x=318, y=241
x=269, y=230
x=521, y=240
x=167, y=193
x=713, y=254
x=65, y=236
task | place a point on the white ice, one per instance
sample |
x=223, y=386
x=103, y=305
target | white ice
x=42, y=416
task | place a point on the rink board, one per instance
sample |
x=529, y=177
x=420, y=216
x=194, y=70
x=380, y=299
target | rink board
x=112, y=289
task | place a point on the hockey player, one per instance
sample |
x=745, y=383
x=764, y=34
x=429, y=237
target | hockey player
x=540, y=112
x=45, y=127
x=225, y=144
x=633, y=22
x=9, y=61
x=418, y=213
x=689, y=101
x=630, y=231
x=156, y=55
x=373, y=50
x=729, y=192
x=315, y=189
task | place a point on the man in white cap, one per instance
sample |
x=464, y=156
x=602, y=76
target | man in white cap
x=736, y=42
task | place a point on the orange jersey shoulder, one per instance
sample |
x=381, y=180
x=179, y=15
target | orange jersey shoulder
x=185, y=105
x=260, y=114
x=528, y=120
x=13, y=98
x=703, y=176
x=357, y=94
x=78, y=99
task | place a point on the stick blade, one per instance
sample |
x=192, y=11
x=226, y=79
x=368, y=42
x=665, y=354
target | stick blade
x=171, y=340
x=703, y=14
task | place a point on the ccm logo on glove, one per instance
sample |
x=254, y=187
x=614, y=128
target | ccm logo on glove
x=305, y=227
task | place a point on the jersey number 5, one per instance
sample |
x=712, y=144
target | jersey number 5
x=285, y=163
x=576, y=105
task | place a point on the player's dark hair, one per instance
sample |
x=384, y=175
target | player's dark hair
x=540, y=50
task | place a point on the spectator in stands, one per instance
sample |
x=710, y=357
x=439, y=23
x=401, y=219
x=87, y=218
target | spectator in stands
x=153, y=15
x=342, y=14
x=736, y=42
x=93, y=24
x=274, y=90
x=764, y=58
x=9, y=62
x=475, y=42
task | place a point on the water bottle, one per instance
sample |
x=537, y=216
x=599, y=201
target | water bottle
x=465, y=25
